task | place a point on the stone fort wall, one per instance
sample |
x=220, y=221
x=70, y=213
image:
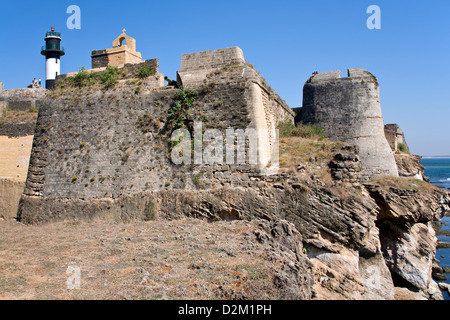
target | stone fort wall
x=266, y=107
x=20, y=99
x=349, y=110
x=395, y=136
x=114, y=144
x=17, y=122
x=212, y=59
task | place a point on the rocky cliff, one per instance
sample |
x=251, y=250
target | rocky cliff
x=351, y=241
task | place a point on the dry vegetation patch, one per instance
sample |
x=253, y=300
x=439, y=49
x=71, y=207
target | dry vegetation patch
x=15, y=116
x=182, y=259
x=388, y=182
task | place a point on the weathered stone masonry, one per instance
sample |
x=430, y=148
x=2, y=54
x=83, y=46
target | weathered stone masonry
x=267, y=109
x=348, y=109
x=93, y=147
x=16, y=139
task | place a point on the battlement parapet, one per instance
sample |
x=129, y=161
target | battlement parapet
x=212, y=59
x=20, y=99
x=352, y=74
x=348, y=109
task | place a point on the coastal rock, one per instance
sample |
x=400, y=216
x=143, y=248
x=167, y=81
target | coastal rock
x=336, y=275
x=439, y=277
x=284, y=245
x=409, y=252
x=434, y=291
x=437, y=269
x=444, y=286
x=407, y=294
x=409, y=166
x=376, y=278
x=408, y=206
x=443, y=245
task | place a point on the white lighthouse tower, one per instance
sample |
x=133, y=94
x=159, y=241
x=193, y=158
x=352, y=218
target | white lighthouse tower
x=52, y=52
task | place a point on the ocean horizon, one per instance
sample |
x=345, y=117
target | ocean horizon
x=435, y=157
x=437, y=169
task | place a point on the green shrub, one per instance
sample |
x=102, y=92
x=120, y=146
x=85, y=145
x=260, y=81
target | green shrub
x=145, y=71
x=285, y=128
x=288, y=129
x=308, y=131
x=110, y=77
x=184, y=99
x=83, y=78
x=33, y=109
x=402, y=147
x=186, y=96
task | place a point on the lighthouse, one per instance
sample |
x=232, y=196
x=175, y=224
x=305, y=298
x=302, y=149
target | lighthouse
x=52, y=52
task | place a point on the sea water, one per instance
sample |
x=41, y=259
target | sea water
x=438, y=171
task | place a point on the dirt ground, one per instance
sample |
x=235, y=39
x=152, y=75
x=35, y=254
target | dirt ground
x=183, y=259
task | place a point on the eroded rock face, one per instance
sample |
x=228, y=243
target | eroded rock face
x=407, y=238
x=409, y=251
x=409, y=206
x=376, y=277
x=284, y=245
x=409, y=166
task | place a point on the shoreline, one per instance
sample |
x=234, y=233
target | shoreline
x=435, y=157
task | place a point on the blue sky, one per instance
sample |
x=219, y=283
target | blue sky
x=285, y=40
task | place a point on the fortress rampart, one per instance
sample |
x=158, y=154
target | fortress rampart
x=20, y=99
x=212, y=59
x=114, y=144
x=17, y=121
x=266, y=107
x=395, y=137
x=349, y=110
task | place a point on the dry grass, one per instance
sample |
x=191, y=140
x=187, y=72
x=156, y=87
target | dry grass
x=184, y=259
x=14, y=117
x=297, y=150
x=388, y=182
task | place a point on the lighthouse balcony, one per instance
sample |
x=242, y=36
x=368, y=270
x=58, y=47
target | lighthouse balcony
x=52, y=48
x=53, y=35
